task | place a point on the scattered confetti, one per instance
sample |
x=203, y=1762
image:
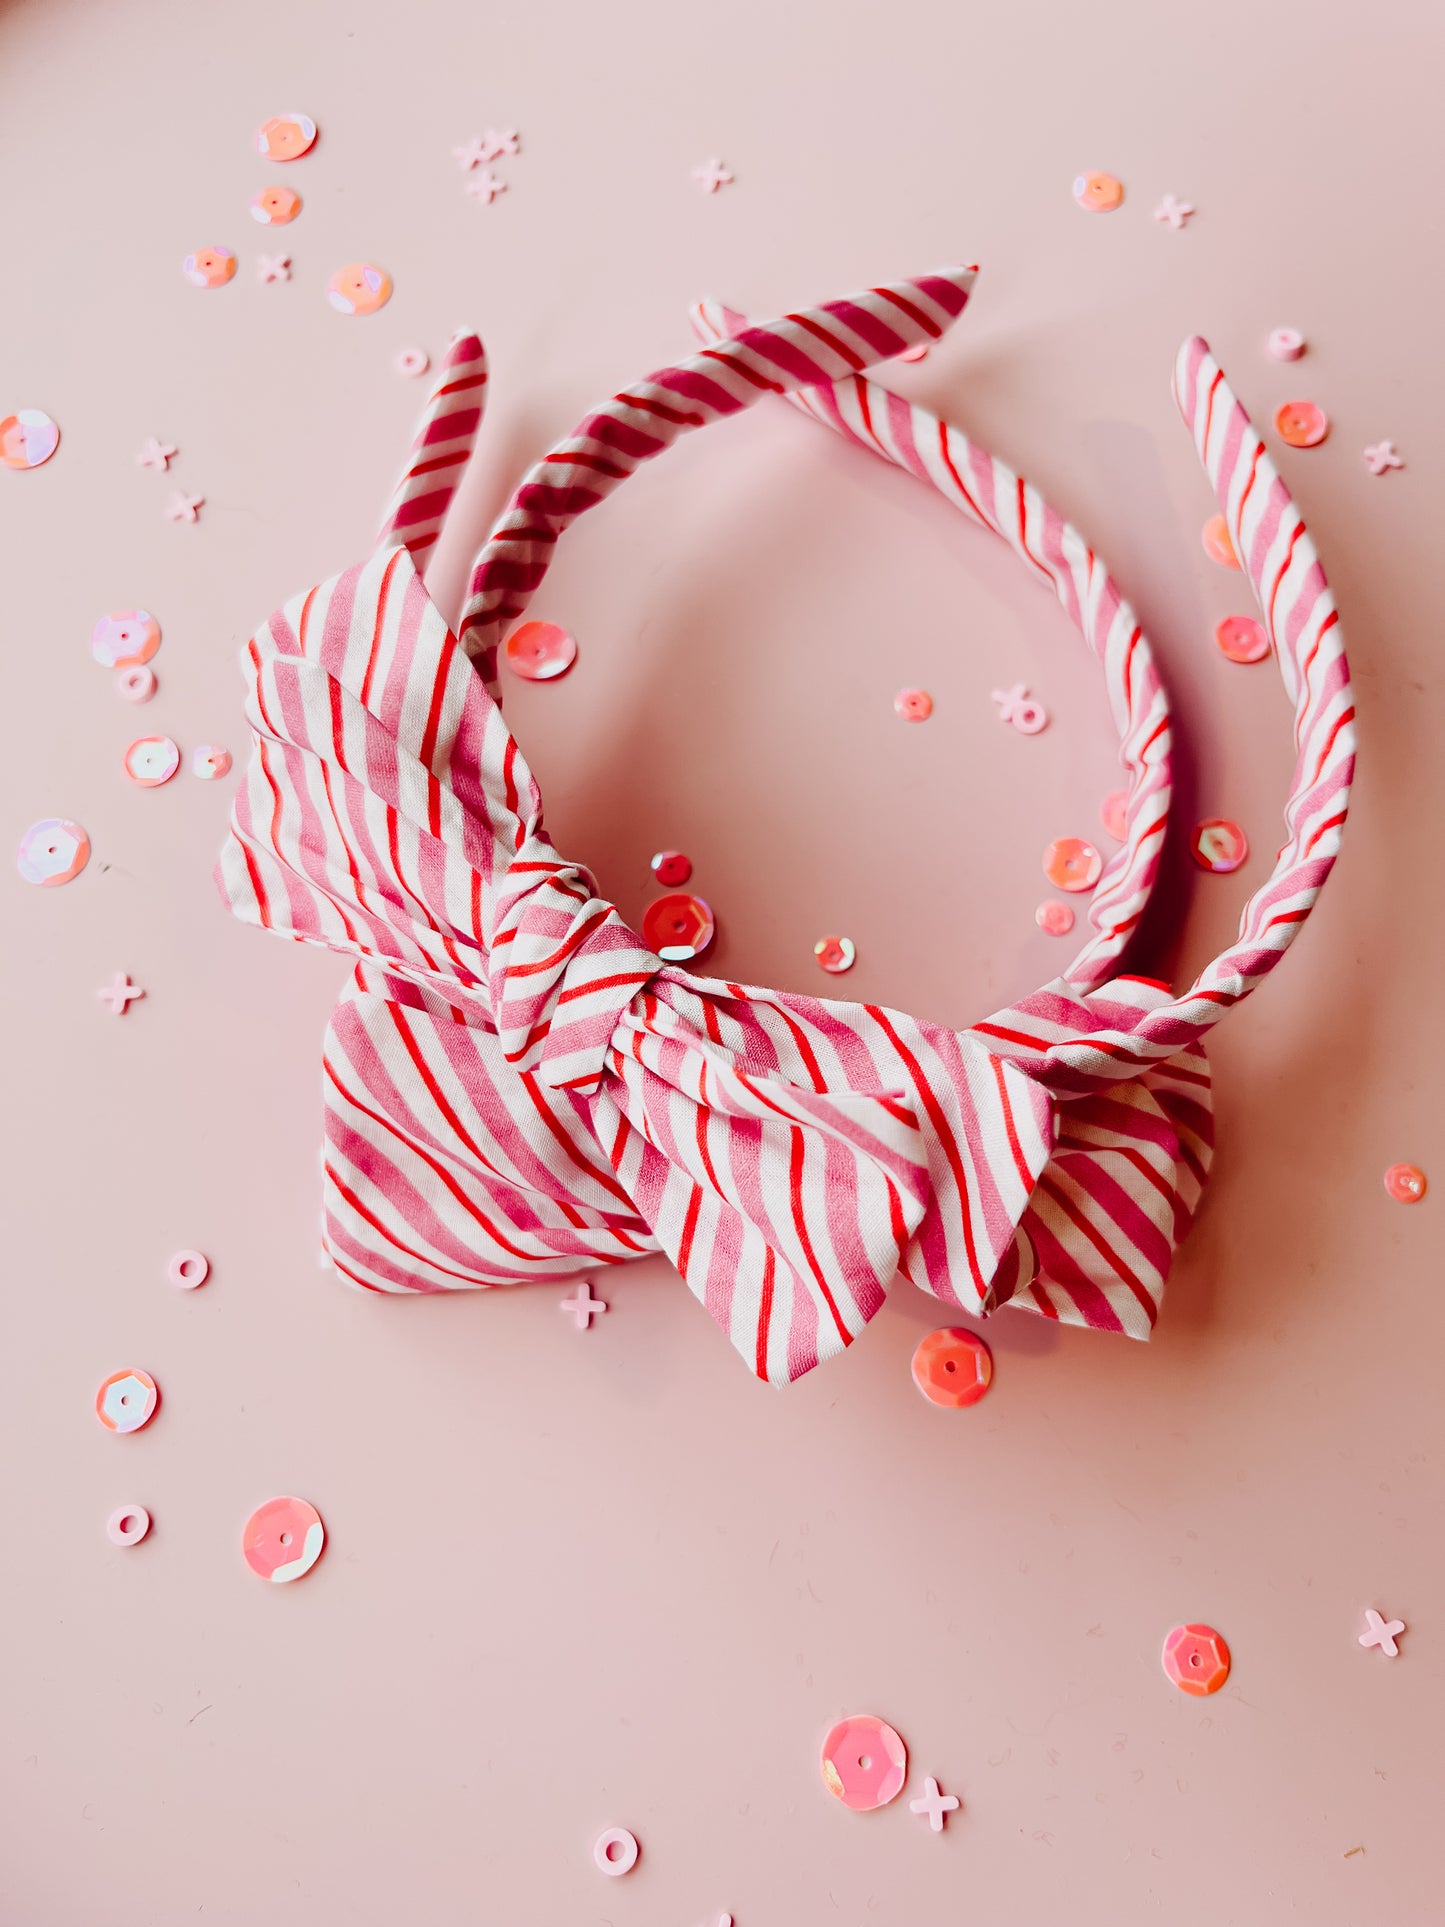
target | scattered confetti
x=485, y=186
x=1174, y=211
x=494, y=145
x=286, y=137
x=864, y=1762
x=136, y=683
x=1380, y=456
x=27, y=438
x=1286, y=344
x=671, y=868
x=1406, y=1183
x=582, y=1307
x=1072, y=864
x=283, y=1539
x=615, y=1851
x=952, y=1367
x=934, y=1804
x=835, y=954
x=1242, y=639
x=151, y=761
x=678, y=927
x=210, y=761
x=359, y=288
x=1018, y=707
x=411, y=361
x=52, y=851
x=1055, y=919
x=1217, y=545
x=538, y=651
x=209, y=267
x=156, y=454
x=275, y=206
x=126, y=1401
x=913, y=705
x=185, y=508
x=712, y=175
x=1098, y=193
x=1219, y=845
x=120, y=993
x=1381, y=1632
x=273, y=267
x=188, y=1269
x=1302, y=424
x=128, y=1525
x=1196, y=1659
x=1114, y=814
x=125, y=637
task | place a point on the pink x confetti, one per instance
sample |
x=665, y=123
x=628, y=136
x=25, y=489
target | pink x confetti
x=1381, y=455
x=1173, y=210
x=185, y=508
x=119, y=993
x=583, y=1308
x=712, y=175
x=1381, y=1632
x=155, y=454
x=934, y=1804
x=485, y=187
x=494, y=145
x=273, y=267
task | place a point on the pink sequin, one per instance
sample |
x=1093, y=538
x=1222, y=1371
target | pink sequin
x=538, y=651
x=1218, y=844
x=864, y=1762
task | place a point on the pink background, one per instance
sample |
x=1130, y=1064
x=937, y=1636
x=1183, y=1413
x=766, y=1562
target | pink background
x=571, y=1581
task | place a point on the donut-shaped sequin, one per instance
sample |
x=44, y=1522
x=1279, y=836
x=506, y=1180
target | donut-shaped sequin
x=1301, y=424
x=283, y=1539
x=125, y=637
x=1241, y=639
x=1098, y=193
x=835, y=954
x=128, y=1525
x=151, y=761
x=952, y=1367
x=864, y=1762
x=209, y=267
x=1054, y=918
x=188, y=1269
x=126, y=1401
x=286, y=137
x=1072, y=864
x=913, y=705
x=1114, y=814
x=1217, y=545
x=359, y=288
x=27, y=438
x=210, y=761
x=672, y=868
x=52, y=851
x=1219, y=845
x=1406, y=1183
x=275, y=206
x=136, y=684
x=538, y=651
x=678, y=927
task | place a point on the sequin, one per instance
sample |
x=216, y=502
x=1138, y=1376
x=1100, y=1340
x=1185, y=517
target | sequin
x=864, y=1762
x=188, y=1269
x=137, y=684
x=210, y=761
x=538, y=651
x=411, y=361
x=835, y=954
x=286, y=137
x=27, y=438
x=1303, y=424
x=1098, y=193
x=1196, y=1659
x=1054, y=918
x=1242, y=639
x=1219, y=845
x=126, y=1401
x=615, y=1851
x=671, y=868
x=913, y=705
x=1072, y=864
x=1286, y=344
x=128, y=1525
x=1114, y=814
x=275, y=206
x=359, y=288
x=52, y=851
x=151, y=761
x=678, y=927
x=1217, y=545
x=125, y=637
x=209, y=267
x=283, y=1539
x=952, y=1367
x=1406, y=1183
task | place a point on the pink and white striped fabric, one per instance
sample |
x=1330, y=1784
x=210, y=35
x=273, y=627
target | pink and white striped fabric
x=517, y=1089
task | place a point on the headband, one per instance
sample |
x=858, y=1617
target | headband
x=516, y=1088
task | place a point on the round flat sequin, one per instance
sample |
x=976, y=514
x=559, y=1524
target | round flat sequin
x=615, y=1851
x=1302, y=424
x=864, y=1762
x=1406, y=1183
x=210, y=761
x=137, y=684
x=1098, y=193
x=671, y=868
x=1114, y=814
x=275, y=206
x=283, y=1539
x=359, y=288
x=188, y=1269
x=678, y=927
x=1217, y=545
x=913, y=705
x=1196, y=1659
x=209, y=267
x=27, y=438
x=952, y=1367
x=1072, y=864
x=411, y=361
x=1055, y=919
x=1286, y=344
x=128, y=1525
x=1219, y=845
x=286, y=137
x=151, y=761
x=538, y=651
x=124, y=637
x=835, y=954
x=126, y=1401
x=52, y=851
x=1241, y=639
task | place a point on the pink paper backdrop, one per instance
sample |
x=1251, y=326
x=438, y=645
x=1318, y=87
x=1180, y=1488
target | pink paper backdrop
x=576, y=1581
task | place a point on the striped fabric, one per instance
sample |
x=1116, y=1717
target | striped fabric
x=440, y=452
x=516, y=1089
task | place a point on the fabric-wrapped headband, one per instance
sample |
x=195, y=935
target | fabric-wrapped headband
x=516, y=1088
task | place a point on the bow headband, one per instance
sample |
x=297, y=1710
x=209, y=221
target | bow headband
x=516, y=1088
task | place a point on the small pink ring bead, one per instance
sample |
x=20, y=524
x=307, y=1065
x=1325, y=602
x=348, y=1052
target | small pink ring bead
x=624, y=1859
x=128, y=1525
x=188, y=1269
